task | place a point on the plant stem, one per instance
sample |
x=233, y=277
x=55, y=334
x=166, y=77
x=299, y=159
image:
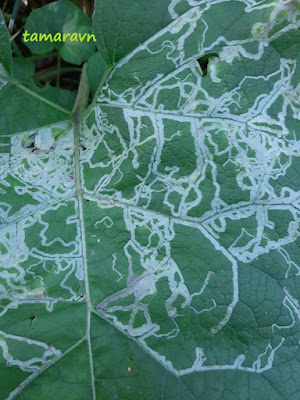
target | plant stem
x=58, y=70
x=54, y=72
x=16, y=49
x=82, y=95
x=4, y=5
x=85, y=7
x=16, y=34
x=13, y=16
x=38, y=56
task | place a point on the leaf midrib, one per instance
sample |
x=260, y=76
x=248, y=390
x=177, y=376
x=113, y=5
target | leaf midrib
x=82, y=96
x=77, y=117
x=41, y=98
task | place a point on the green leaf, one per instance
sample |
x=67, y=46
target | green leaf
x=21, y=108
x=60, y=17
x=5, y=54
x=120, y=26
x=23, y=70
x=62, y=97
x=95, y=69
x=150, y=247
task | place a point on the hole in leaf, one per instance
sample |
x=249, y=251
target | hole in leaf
x=32, y=318
x=28, y=142
x=204, y=60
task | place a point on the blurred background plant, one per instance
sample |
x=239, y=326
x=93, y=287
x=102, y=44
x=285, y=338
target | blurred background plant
x=54, y=73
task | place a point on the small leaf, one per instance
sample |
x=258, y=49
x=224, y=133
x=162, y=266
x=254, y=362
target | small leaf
x=60, y=17
x=96, y=69
x=23, y=109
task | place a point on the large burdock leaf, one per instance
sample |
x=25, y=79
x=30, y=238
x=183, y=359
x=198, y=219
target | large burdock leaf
x=151, y=250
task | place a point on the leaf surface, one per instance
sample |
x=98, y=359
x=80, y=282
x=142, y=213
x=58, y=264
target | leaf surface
x=151, y=251
x=63, y=18
x=21, y=108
